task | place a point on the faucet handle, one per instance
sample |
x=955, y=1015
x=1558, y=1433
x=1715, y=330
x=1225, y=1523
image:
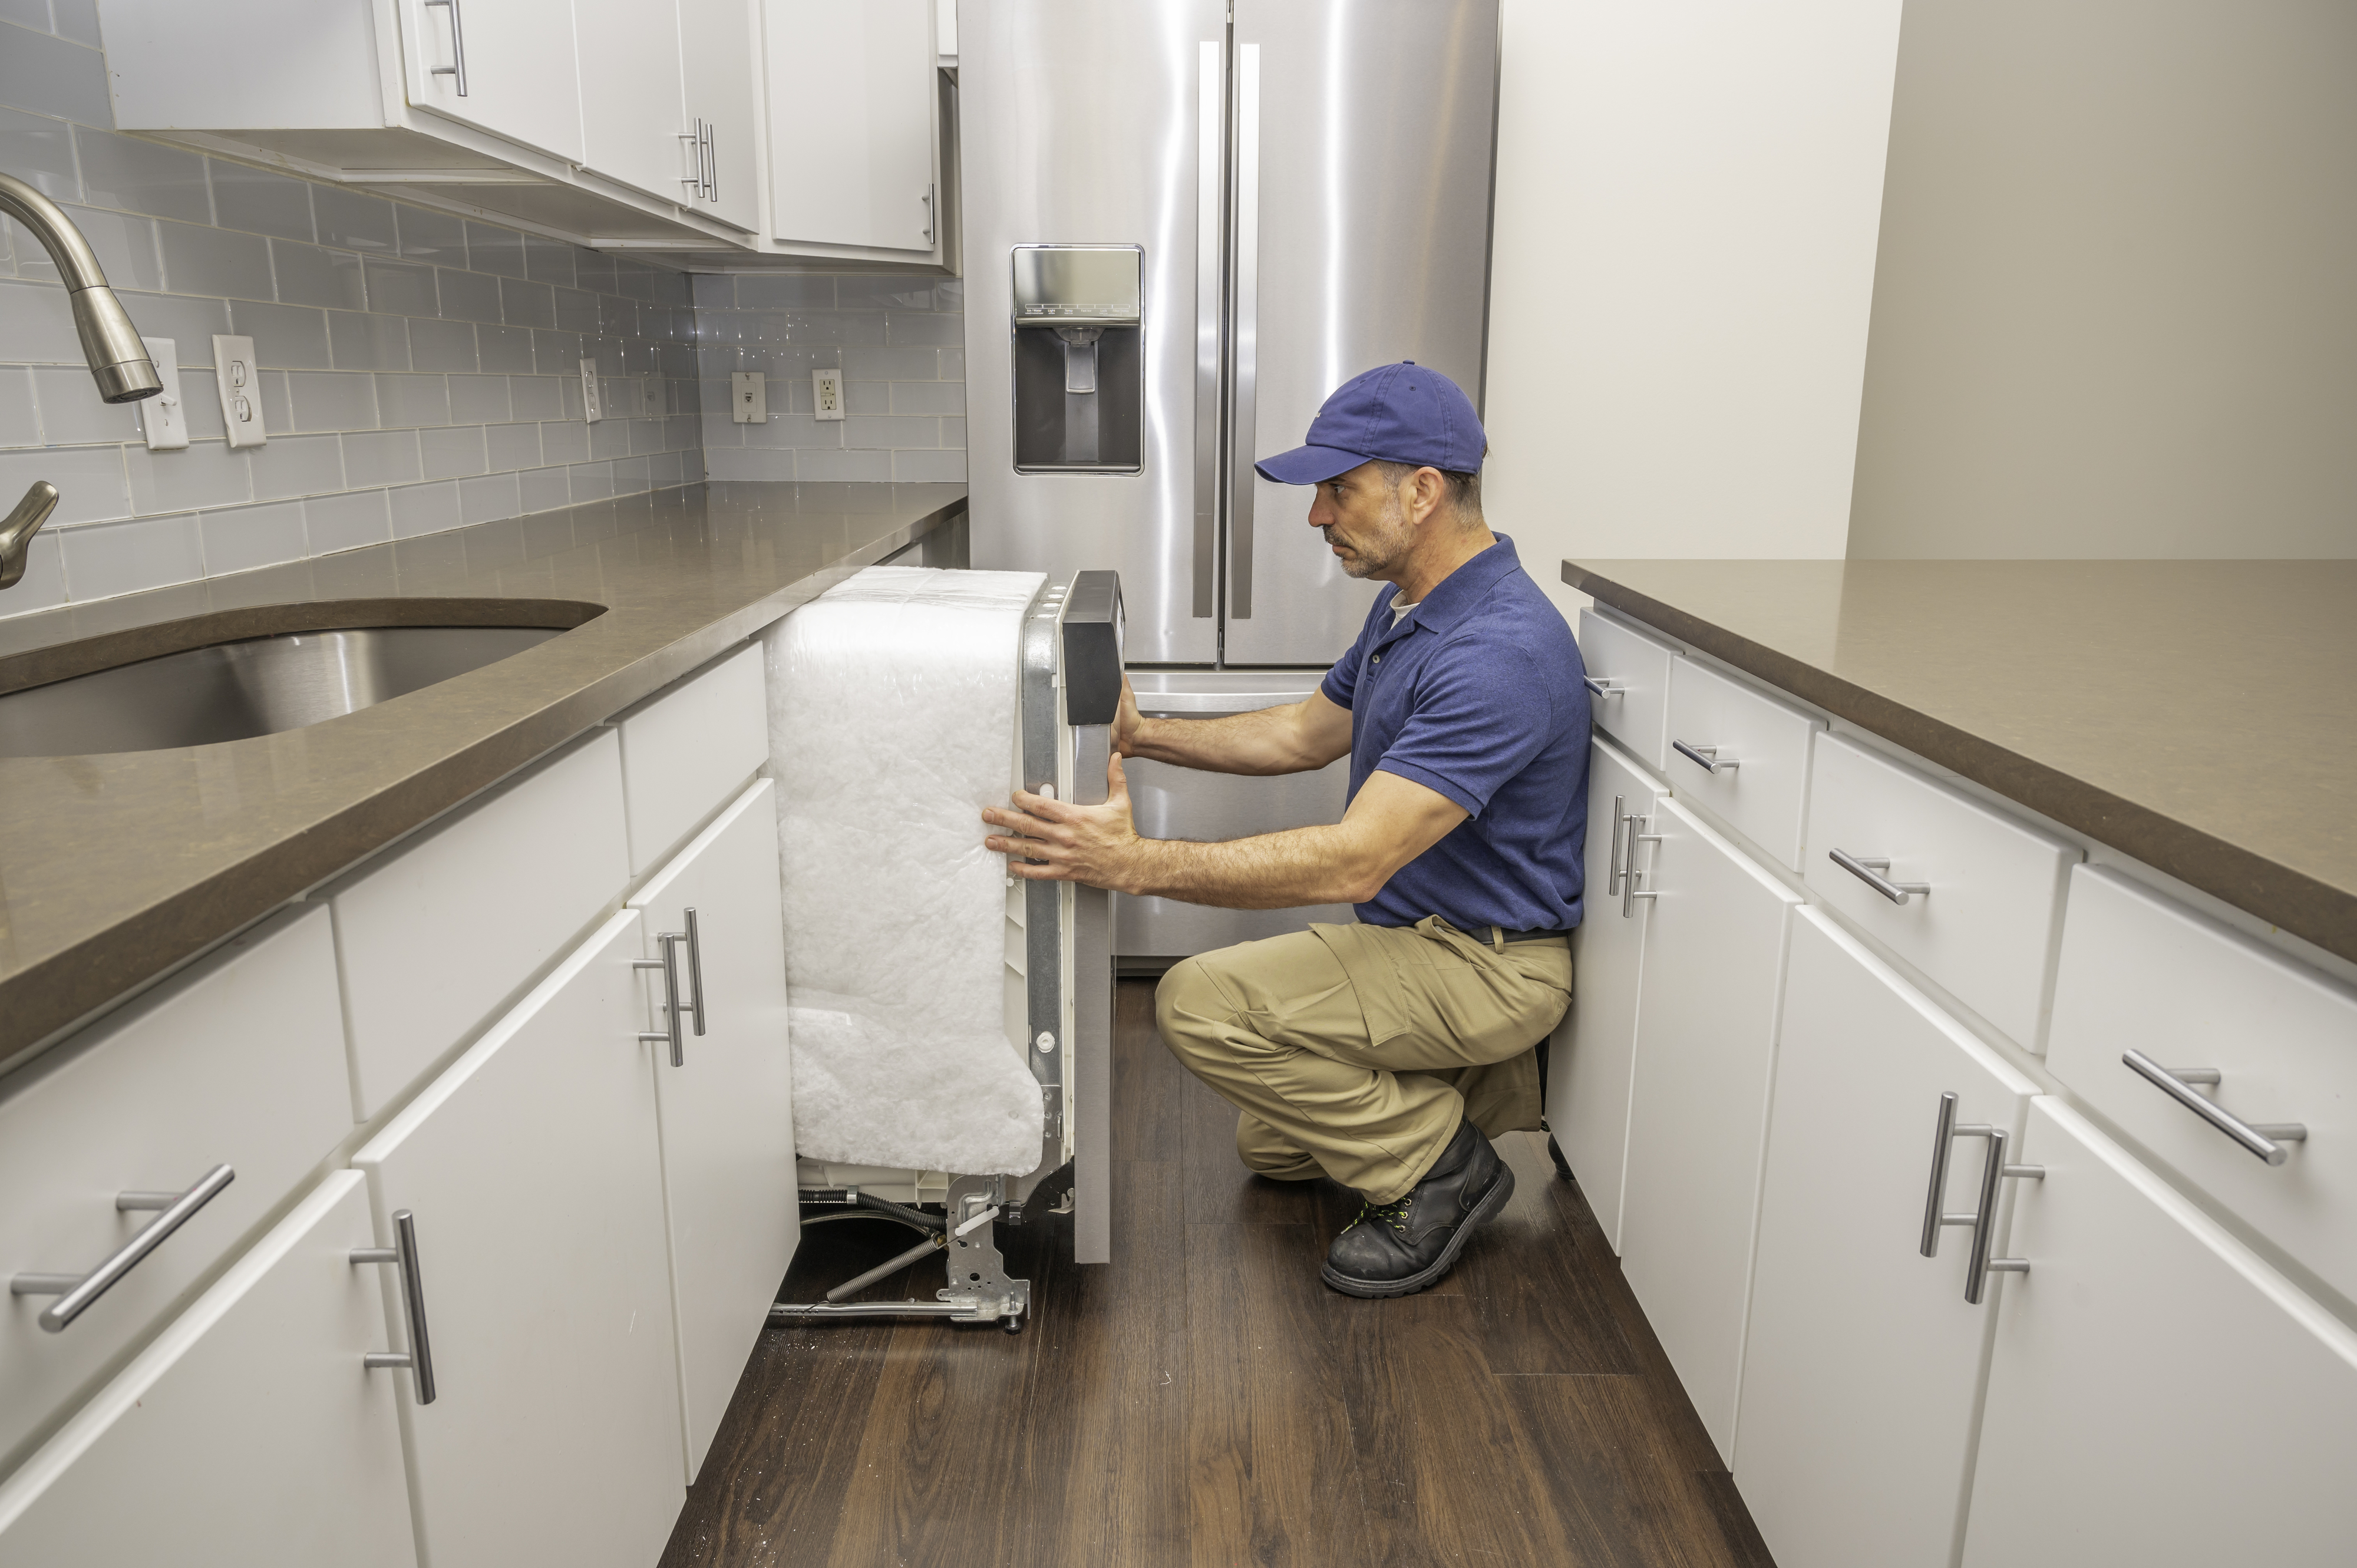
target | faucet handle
x=16, y=533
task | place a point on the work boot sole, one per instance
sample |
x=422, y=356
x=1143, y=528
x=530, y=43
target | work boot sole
x=1483, y=1212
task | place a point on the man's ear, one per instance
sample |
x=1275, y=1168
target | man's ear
x=1427, y=492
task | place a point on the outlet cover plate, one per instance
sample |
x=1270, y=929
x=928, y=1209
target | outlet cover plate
x=162, y=418
x=240, y=391
x=592, y=408
x=826, y=393
x=749, y=397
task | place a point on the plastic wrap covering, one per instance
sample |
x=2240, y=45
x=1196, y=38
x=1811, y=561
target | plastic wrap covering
x=893, y=720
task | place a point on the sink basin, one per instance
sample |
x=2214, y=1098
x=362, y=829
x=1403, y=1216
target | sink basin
x=235, y=691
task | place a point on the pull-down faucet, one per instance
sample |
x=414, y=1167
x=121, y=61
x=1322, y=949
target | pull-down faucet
x=118, y=360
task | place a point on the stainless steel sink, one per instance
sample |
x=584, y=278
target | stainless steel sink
x=234, y=690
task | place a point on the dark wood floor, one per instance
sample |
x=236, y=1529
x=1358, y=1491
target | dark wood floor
x=1204, y=1400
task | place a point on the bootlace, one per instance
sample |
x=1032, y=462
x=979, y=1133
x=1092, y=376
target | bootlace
x=1393, y=1214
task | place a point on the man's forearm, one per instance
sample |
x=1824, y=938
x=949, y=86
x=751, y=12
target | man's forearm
x=1268, y=871
x=1264, y=742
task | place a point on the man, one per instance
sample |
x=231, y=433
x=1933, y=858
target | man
x=1380, y=1054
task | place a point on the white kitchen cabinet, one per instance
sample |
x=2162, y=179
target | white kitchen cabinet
x=1741, y=755
x=1594, y=1050
x=248, y=1432
x=721, y=68
x=1705, y=1046
x=726, y=1107
x=688, y=748
x=854, y=134
x=631, y=122
x=237, y=1061
x=2157, y=1395
x=510, y=67
x=437, y=934
x=1863, y=1361
x=533, y=1170
x=1634, y=670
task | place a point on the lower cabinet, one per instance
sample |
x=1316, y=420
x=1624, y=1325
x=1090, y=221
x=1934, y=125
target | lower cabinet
x=2157, y=1395
x=726, y=1108
x=1595, y=1047
x=248, y=1434
x=1864, y=1360
x=1705, y=1045
x=533, y=1174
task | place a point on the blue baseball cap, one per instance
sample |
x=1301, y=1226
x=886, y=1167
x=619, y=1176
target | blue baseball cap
x=1393, y=413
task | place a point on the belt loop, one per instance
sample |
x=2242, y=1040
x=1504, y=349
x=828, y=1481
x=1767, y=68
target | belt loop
x=1498, y=938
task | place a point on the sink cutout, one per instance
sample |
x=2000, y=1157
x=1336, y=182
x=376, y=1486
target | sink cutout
x=253, y=686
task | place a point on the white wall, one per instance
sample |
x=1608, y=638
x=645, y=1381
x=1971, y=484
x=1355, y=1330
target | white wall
x=1688, y=196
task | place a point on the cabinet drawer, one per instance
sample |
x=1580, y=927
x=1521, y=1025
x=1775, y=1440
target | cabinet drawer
x=239, y=1061
x=1634, y=670
x=690, y=748
x=2142, y=973
x=435, y=936
x=248, y=1432
x=1986, y=929
x=1741, y=754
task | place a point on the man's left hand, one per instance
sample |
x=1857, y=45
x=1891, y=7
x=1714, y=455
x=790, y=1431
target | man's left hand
x=1094, y=845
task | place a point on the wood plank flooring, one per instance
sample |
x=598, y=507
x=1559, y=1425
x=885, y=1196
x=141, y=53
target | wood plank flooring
x=1203, y=1402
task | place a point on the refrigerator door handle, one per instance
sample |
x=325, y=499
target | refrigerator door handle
x=1210, y=164
x=1242, y=439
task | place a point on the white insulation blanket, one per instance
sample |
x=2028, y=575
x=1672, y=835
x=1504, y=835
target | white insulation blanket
x=894, y=707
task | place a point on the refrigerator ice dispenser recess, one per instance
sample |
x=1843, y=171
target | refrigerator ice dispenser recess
x=1079, y=359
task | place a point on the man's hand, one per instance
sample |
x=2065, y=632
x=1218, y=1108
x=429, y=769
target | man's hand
x=1095, y=845
x=1126, y=722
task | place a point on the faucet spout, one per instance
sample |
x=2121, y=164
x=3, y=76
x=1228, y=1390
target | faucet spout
x=18, y=529
x=118, y=360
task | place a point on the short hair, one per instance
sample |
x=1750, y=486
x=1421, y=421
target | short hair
x=1464, y=488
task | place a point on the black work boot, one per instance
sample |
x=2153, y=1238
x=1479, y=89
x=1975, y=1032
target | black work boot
x=1403, y=1246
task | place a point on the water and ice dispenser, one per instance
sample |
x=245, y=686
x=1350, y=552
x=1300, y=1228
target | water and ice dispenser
x=1079, y=359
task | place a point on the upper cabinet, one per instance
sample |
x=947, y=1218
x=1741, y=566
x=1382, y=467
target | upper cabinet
x=802, y=127
x=855, y=133
x=504, y=68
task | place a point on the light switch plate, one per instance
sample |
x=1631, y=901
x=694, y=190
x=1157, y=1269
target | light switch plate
x=749, y=397
x=240, y=391
x=592, y=409
x=826, y=393
x=163, y=419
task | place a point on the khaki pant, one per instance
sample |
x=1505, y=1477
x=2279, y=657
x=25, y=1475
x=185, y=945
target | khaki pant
x=1355, y=1050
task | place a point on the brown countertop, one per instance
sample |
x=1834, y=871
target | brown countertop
x=2198, y=716
x=115, y=868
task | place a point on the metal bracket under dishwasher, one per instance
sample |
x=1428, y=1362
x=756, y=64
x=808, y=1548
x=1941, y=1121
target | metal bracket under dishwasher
x=1071, y=669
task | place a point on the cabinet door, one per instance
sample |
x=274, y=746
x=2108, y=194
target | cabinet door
x=721, y=69
x=1705, y=1045
x=521, y=78
x=852, y=147
x=533, y=1170
x=1595, y=1047
x=728, y=1108
x=247, y=1433
x=1863, y=1359
x=2157, y=1394
x=631, y=119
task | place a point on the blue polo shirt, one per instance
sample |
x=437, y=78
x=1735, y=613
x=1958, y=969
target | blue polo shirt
x=1478, y=693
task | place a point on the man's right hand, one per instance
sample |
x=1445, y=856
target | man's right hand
x=1125, y=724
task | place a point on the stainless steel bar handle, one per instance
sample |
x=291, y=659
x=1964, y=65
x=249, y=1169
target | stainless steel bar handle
x=1615, y=871
x=403, y=1253
x=457, y=66
x=1943, y=1137
x=927, y=199
x=1605, y=688
x=1977, y=1266
x=1875, y=874
x=669, y=1034
x=1707, y=756
x=694, y=140
x=1209, y=87
x=1629, y=894
x=2265, y=1139
x=76, y=1292
x=695, y=935
x=711, y=150
x=1241, y=433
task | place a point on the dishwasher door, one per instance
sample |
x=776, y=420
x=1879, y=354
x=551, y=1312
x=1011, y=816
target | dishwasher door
x=1167, y=802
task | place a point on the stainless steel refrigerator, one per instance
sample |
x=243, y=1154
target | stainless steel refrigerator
x=1185, y=223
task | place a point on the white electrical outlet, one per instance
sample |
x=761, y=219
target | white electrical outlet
x=161, y=417
x=240, y=391
x=749, y=397
x=826, y=393
x=592, y=409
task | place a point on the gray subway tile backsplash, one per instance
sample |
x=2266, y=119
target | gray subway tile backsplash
x=260, y=202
